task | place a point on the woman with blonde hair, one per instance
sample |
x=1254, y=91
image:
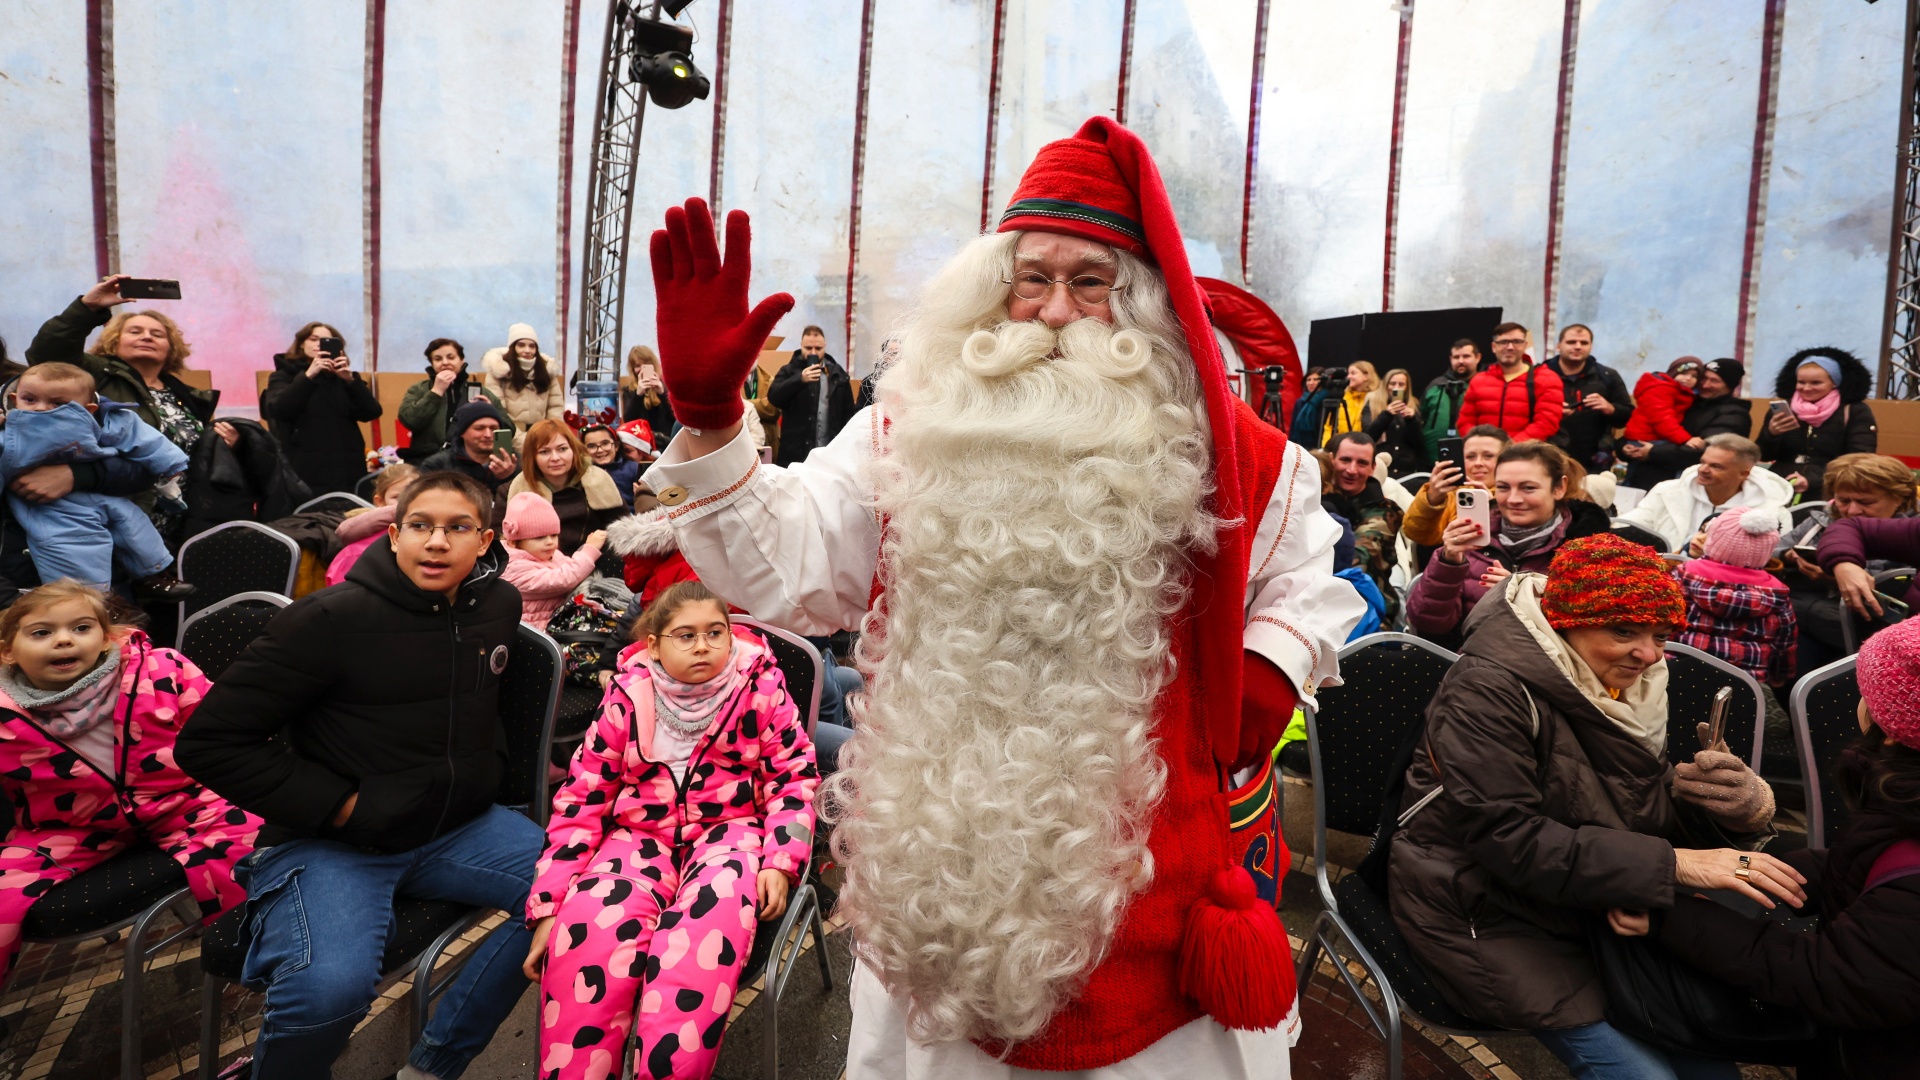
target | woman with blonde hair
x=1863, y=486
x=1395, y=426
x=644, y=397
x=1366, y=397
x=137, y=360
x=554, y=465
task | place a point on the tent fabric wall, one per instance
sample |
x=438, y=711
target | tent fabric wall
x=239, y=144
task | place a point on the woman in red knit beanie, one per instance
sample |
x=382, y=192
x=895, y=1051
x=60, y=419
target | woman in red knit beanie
x=1543, y=798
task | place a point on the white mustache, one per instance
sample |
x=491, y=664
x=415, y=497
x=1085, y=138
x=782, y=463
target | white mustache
x=1014, y=347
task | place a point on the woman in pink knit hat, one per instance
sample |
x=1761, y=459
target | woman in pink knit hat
x=1857, y=973
x=1735, y=609
x=535, y=566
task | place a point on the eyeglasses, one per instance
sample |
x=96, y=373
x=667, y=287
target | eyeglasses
x=421, y=530
x=686, y=640
x=1510, y=341
x=1085, y=289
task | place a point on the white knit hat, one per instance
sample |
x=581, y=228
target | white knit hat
x=521, y=330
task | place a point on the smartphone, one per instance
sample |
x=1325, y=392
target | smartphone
x=1809, y=545
x=1716, y=733
x=503, y=439
x=1397, y=396
x=333, y=346
x=1777, y=407
x=146, y=288
x=1891, y=606
x=1475, y=505
x=1455, y=451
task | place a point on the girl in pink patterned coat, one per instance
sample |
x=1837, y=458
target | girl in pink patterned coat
x=688, y=808
x=89, y=711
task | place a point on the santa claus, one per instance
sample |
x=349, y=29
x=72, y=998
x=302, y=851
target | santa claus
x=1091, y=587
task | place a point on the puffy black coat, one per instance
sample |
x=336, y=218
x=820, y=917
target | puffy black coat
x=1808, y=450
x=1587, y=434
x=798, y=401
x=318, y=423
x=251, y=481
x=1402, y=437
x=373, y=686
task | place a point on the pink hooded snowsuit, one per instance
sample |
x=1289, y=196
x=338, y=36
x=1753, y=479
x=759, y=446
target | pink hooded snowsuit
x=69, y=817
x=654, y=883
x=545, y=584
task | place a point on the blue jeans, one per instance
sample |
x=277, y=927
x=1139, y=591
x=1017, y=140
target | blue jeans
x=836, y=723
x=321, y=911
x=1604, y=1052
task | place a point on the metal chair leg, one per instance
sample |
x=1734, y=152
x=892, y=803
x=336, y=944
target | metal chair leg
x=132, y=979
x=211, y=986
x=820, y=947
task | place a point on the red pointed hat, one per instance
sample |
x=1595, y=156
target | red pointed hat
x=1102, y=185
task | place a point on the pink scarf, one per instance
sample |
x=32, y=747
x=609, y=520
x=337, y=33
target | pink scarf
x=1816, y=412
x=689, y=708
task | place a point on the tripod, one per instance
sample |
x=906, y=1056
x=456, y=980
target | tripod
x=1271, y=410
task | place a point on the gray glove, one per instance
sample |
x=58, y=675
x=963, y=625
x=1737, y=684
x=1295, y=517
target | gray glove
x=1723, y=786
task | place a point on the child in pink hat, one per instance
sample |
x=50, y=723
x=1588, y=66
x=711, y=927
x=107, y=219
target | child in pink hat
x=535, y=566
x=1735, y=609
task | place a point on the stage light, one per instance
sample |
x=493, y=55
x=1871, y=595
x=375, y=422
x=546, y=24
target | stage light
x=663, y=63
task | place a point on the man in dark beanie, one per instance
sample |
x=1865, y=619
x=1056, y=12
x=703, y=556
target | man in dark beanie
x=470, y=448
x=1717, y=409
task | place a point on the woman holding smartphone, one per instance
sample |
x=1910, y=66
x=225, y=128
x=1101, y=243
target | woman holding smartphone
x=644, y=397
x=1822, y=414
x=1518, y=526
x=1396, y=429
x=315, y=403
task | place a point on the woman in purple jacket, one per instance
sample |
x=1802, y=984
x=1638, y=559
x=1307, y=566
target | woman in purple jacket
x=1847, y=546
x=1534, y=487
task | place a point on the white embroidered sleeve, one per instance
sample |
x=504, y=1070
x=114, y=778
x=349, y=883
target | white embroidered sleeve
x=793, y=546
x=1298, y=613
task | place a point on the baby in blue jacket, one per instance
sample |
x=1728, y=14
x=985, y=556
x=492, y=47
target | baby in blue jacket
x=54, y=417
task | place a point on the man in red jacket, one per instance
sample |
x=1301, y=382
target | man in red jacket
x=1513, y=395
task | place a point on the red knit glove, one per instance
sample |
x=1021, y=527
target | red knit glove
x=708, y=339
x=1267, y=698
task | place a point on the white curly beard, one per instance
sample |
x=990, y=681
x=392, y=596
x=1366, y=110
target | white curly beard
x=1041, y=492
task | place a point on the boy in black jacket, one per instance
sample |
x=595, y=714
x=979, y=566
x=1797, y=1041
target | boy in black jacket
x=363, y=725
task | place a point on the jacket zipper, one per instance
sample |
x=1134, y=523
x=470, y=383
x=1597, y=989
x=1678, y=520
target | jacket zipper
x=453, y=696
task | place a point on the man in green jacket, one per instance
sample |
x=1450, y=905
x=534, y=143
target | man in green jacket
x=432, y=401
x=1440, y=405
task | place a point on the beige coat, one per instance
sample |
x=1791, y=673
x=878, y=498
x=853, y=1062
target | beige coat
x=524, y=407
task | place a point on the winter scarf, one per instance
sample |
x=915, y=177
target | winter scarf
x=1519, y=544
x=74, y=711
x=688, y=708
x=1819, y=412
x=1640, y=712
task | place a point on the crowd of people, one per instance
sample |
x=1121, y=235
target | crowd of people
x=1050, y=781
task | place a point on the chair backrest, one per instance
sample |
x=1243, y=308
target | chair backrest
x=1386, y=682
x=363, y=487
x=1825, y=721
x=1693, y=678
x=236, y=557
x=799, y=662
x=342, y=501
x=529, y=698
x=1803, y=511
x=1413, y=481
x=214, y=637
x=1894, y=581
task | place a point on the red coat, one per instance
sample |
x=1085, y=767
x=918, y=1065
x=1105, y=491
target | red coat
x=1658, y=405
x=653, y=562
x=1526, y=408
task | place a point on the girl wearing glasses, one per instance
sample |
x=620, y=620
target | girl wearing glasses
x=688, y=809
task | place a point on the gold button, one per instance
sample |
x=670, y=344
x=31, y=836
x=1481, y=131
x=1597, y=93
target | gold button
x=672, y=495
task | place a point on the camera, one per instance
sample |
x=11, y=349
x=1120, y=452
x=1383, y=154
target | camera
x=1335, y=379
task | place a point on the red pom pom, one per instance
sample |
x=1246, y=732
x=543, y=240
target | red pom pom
x=1235, y=960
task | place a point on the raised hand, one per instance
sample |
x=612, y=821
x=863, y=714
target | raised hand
x=709, y=340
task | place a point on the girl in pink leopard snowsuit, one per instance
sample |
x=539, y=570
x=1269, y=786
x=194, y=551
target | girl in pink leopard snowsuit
x=689, y=804
x=88, y=716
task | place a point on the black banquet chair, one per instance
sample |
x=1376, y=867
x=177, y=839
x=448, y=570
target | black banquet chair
x=423, y=929
x=1825, y=719
x=776, y=946
x=214, y=637
x=236, y=557
x=341, y=501
x=1693, y=678
x=1360, y=737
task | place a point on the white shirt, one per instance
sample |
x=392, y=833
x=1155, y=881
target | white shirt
x=797, y=546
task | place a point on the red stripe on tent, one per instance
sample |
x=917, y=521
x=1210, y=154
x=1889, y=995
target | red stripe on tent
x=563, y=227
x=723, y=44
x=993, y=111
x=1126, y=59
x=859, y=169
x=1393, y=151
x=376, y=62
x=1757, y=178
x=1253, y=135
x=1557, y=181
x=106, y=223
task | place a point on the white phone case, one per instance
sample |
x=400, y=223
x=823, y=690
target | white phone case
x=1475, y=505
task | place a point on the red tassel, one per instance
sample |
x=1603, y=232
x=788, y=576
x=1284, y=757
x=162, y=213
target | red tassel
x=1235, y=960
